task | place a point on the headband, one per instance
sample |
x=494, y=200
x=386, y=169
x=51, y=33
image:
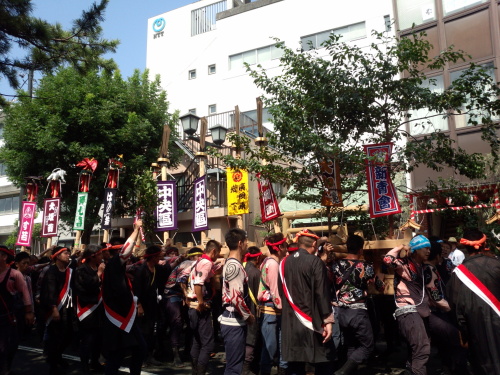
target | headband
x=292, y=248
x=304, y=232
x=91, y=255
x=151, y=255
x=275, y=245
x=54, y=256
x=248, y=255
x=476, y=244
x=193, y=254
x=419, y=242
x=111, y=247
x=7, y=251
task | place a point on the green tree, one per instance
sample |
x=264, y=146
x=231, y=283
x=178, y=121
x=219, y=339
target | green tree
x=328, y=107
x=47, y=45
x=94, y=115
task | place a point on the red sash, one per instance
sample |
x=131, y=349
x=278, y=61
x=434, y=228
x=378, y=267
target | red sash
x=83, y=312
x=63, y=294
x=474, y=284
x=123, y=322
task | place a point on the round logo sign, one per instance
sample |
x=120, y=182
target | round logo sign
x=159, y=24
x=237, y=176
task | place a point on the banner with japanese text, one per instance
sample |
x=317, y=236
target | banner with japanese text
x=200, y=213
x=237, y=192
x=81, y=205
x=50, y=221
x=28, y=211
x=166, y=211
x=332, y=194
x=108, y=207
x=381, y=192
x=269, y=208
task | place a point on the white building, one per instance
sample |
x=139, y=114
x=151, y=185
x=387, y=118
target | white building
x=199, y=49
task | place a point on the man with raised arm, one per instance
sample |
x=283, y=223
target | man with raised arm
x=122, y=335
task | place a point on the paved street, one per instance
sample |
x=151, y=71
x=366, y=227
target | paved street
x=29, y=361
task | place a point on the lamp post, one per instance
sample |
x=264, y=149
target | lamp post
x=190, y=125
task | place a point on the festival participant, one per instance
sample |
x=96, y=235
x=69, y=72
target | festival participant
x=443, y=333
x=87, y=288
x=307, y=315
x=411, y=300
x=270, y=304
x=11, y=282
x=173, y=298
x=121, y=333
x=56, y=297
x=149, y=283
x=474, y=296
x=251, y=262
x=22, y=264
x=200, y=293
x=352, y=278
x=236, y=313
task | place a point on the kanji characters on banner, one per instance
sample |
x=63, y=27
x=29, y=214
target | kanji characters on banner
x=381, y=191
x=200, y=213
x=50, y=221
x=109, y=206
x=26, y=225
x=237, y=192
x=269, y=208
x=166, y=211
x=332, y=195
x=81, y=205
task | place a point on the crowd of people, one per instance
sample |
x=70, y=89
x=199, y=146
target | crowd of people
x=301, y=307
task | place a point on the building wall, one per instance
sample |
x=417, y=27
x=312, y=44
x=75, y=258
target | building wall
x=469, y=25
x=174, y=52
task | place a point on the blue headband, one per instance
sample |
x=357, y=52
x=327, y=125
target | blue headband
x=419, y=242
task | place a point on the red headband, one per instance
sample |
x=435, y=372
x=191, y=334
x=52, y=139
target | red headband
x=275, y=246
x=7, y=251
x=304, y=232
x=248, y=255
x=59, y=252
x=476, y=244
x=151, y=255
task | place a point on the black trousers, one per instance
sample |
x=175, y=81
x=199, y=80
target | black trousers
x=357, y=333
x=203, y=335
x=412, y=328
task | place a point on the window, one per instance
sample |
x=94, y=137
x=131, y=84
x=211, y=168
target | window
x=348, y=33
x=211, y=69
x=424, y=121
x=9, y=204
x=204, y=19
x=3, y=170
x=475, y=115
x=452, y=6
x=212, y=108
x=192, y=111
x=415, y=12
x=388, y=23
x=192, y=74
x=255, y=56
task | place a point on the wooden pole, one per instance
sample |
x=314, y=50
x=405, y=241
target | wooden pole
x=162, y=161
x=202, y=159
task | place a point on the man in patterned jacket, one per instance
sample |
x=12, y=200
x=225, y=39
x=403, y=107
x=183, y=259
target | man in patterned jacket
x=352, y=277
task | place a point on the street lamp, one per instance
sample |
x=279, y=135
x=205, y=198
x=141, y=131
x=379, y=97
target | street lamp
x=218, y=134
x=189, y=123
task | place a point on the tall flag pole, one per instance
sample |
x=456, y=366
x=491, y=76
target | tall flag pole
x=115, y=165
x=52, y=205
x=28, y=211
x=88, y=168
x=166, y=209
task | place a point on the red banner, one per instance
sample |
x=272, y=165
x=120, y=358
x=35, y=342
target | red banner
x=381, y=191
x=269, y=208
x=26, y=224
x=50, y=221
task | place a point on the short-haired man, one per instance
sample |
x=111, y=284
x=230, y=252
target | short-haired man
x=236, y=313
x=474, y=296
x=412, y=305
x=307, y=315
x=270, y=304
x=352, y=278
x=200, y=293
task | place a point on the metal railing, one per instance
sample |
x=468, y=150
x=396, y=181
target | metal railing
x=204, y=19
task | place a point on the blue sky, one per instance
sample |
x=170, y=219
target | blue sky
x=125, y=20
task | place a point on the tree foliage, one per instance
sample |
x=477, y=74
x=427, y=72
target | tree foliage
x=328, y=107
x=94, y=115
x=48, y=46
